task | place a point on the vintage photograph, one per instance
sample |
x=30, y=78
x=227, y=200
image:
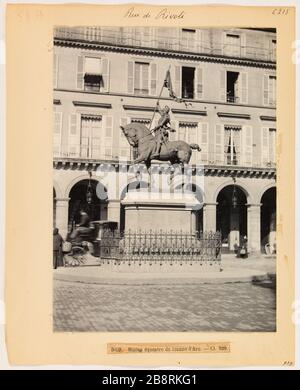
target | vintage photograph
x=164, y=179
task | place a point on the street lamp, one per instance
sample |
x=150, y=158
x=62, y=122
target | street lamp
x=234, y=200
x=89, y=192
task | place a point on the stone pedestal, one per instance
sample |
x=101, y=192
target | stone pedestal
x=209, y=217
x=113, y=211
x=160, y=211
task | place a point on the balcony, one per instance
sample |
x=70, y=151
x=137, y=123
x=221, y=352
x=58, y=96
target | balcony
x=164, y=39
x=123, y=155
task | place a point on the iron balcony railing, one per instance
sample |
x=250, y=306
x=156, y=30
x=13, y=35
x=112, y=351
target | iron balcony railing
x=168, y=39
x=125, y=154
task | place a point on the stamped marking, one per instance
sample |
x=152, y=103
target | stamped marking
x=209, y=347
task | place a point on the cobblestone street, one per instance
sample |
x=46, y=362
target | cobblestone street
x=224, y=307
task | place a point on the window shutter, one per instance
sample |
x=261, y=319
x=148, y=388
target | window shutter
x=55, y=70
x=223, y=85
x=272, y=145
x=74, y=135
x=203, y=141
x=153, y=79
x=266, y=90
x=272, y=91
x=265, y=146
x=243, y=45
x=107, y=136
x=199, y=83
x=244, y=88
x=199, y=41
x=219, y=144
x=57, y=134
x=247, y=145
x=105, y=75
x=80, y=72
x=224, y=48
x=130, y=76
x=124, y=147
x=174, y=125
x=177, y=83
x=192, y=133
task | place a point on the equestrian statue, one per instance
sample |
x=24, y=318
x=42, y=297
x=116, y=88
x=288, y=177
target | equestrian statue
x=155, y=145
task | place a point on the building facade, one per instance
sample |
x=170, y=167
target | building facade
x=107, y=77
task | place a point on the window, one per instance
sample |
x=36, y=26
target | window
x=57, y=133
x=141, y=78
x=269, y=90
x=273, y=50
x=272, y=90
x=187, y=41
x=268, y=146
x=232, y=140
x=90, y=136
x=188, y=82
x=187, y=85
x=232, y=87
x=232, y=45
x=188, y=132
x=93, y=74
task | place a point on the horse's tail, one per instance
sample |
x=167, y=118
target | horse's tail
x=195, y=146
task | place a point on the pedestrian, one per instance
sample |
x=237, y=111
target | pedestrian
x=57, y=249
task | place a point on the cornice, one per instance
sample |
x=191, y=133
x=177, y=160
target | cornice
x=208, y=170
x=91, y=104
x=164, y=53
x=268, y=118
x=138, y=108
x=233, y=115
x=189, y=112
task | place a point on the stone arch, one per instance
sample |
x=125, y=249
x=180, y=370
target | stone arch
x=238, y=184
x=264, y=190
x=232, y=215
x=268, y=220
x=76, y=180
x=78, y=195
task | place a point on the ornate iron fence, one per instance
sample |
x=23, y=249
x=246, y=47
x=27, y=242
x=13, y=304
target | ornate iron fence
x=161, y=247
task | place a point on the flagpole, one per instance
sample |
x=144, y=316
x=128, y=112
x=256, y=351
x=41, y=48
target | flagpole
x=159, y=96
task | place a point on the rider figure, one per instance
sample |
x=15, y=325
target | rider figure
x=162, y=129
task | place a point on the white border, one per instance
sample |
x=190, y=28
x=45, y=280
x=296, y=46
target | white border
x=3, y=355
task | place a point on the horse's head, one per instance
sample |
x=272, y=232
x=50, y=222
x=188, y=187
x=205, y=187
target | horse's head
x=134, y=132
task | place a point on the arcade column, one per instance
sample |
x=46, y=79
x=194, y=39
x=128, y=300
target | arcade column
x=62, y=211
x=253, y=228
x=234, y=233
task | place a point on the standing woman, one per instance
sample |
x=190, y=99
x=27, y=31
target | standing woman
x=57, y=249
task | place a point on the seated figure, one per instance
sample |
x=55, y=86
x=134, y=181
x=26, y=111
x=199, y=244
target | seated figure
x=83, y=231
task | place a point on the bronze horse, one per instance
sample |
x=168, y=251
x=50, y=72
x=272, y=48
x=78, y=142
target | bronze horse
x=139, y=136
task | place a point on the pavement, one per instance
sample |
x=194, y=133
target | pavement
x=256, y=268
x=87, y=299
x=226, y=307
